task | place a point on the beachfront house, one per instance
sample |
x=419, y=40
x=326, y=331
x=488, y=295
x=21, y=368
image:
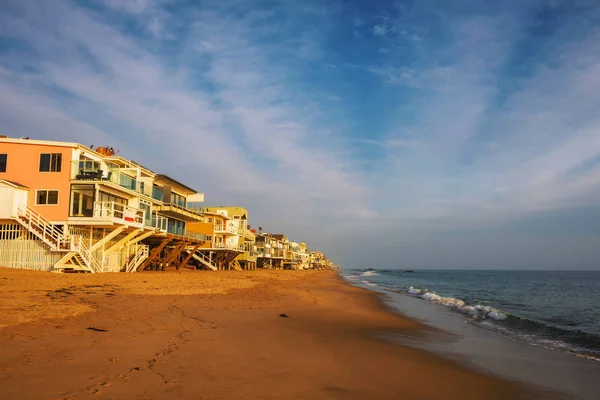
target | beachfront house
x=73, y=208
x=66, y=207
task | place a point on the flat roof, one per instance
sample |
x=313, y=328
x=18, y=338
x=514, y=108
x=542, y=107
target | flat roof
x=162, y=177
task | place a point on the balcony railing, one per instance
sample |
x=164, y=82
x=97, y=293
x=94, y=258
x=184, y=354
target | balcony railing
x=228, y=246
x=228, y=228
x=196, y=235
x=159, y=222
x=88, y=170
x=197, y=212
x=157, y=194
x=119, y=213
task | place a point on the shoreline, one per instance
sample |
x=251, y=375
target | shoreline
x=216, y=336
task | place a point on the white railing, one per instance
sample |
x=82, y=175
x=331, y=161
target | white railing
x=41, y=227
x=205, y=260
x=140, y=255
x=88, y=257
x=228, y=246
x=228, y=228
x=119, y=213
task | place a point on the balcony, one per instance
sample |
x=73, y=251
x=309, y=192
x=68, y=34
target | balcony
x=247, y=234
x=227, y=229
x=228, y=247
x=95, y=171
x=181, y=212
x=195, y=235
x=157, y=194
x=109, y=213
x=159, y=222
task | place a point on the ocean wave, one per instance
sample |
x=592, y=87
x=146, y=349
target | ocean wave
x=536, y=333
x=369, y=273
x=366, y=282
x=478, y=312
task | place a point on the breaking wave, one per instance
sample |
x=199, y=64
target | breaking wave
x=369, y=273
x=478, y=312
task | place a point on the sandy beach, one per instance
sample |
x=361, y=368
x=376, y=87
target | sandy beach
x=206, y=335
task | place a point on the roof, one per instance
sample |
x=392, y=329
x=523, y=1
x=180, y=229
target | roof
x=34, y=141
x=16, y=185
x=165, y=178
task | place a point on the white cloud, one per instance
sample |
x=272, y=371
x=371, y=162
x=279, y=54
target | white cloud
x=380, y=30
x=242, y=140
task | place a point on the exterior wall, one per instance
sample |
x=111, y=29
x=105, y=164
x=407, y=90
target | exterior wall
x=10, y=198
x=202, y=227
x=23, y=167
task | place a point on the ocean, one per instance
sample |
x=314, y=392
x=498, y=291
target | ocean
x=559, y=310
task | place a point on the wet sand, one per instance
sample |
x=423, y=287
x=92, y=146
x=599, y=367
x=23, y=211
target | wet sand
x=215, y=335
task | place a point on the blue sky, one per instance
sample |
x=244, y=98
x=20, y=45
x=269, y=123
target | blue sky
x=442, y=134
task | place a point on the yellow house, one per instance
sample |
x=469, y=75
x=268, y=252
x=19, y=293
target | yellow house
x=232, y=232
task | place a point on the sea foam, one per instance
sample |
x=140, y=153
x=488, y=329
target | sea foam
x=369, y=273
x=478, y=312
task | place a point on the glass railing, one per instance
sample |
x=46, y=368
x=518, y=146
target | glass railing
x=126, y=181
x=87, y=170
x=157, y=194
x=159, y=222
x=196, y=210
x=196, y=235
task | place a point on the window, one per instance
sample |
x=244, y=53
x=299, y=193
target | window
x=3, y=162
x=82, y=201
x=109, y=197
x=178, y=199
x=46, y=197
x=50, y=162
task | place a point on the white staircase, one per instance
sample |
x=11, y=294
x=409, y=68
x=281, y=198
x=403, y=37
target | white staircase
x=138, y=258
x=88, y=258
x=80, y=258
x=204, y=260
x=42, y=229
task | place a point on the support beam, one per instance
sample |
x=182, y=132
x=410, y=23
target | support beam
x=189, y=256
x=141, y=237
x=175, y=252
x=106, y=238
x=122, y=242
x=153, y=255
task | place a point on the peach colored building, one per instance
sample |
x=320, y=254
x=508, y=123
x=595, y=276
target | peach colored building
x=45, y=167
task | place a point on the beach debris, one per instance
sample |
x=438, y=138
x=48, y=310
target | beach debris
x=91, y=328
x=283, y=315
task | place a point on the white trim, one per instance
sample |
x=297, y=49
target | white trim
x=43, y=142
x=47, y=190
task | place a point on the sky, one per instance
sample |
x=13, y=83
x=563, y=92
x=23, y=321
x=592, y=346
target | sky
x=389, y=134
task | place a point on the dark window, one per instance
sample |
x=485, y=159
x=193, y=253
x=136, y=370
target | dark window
x=44, y=197
x=82, y=201
x=3, y=158
x=50, y=162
